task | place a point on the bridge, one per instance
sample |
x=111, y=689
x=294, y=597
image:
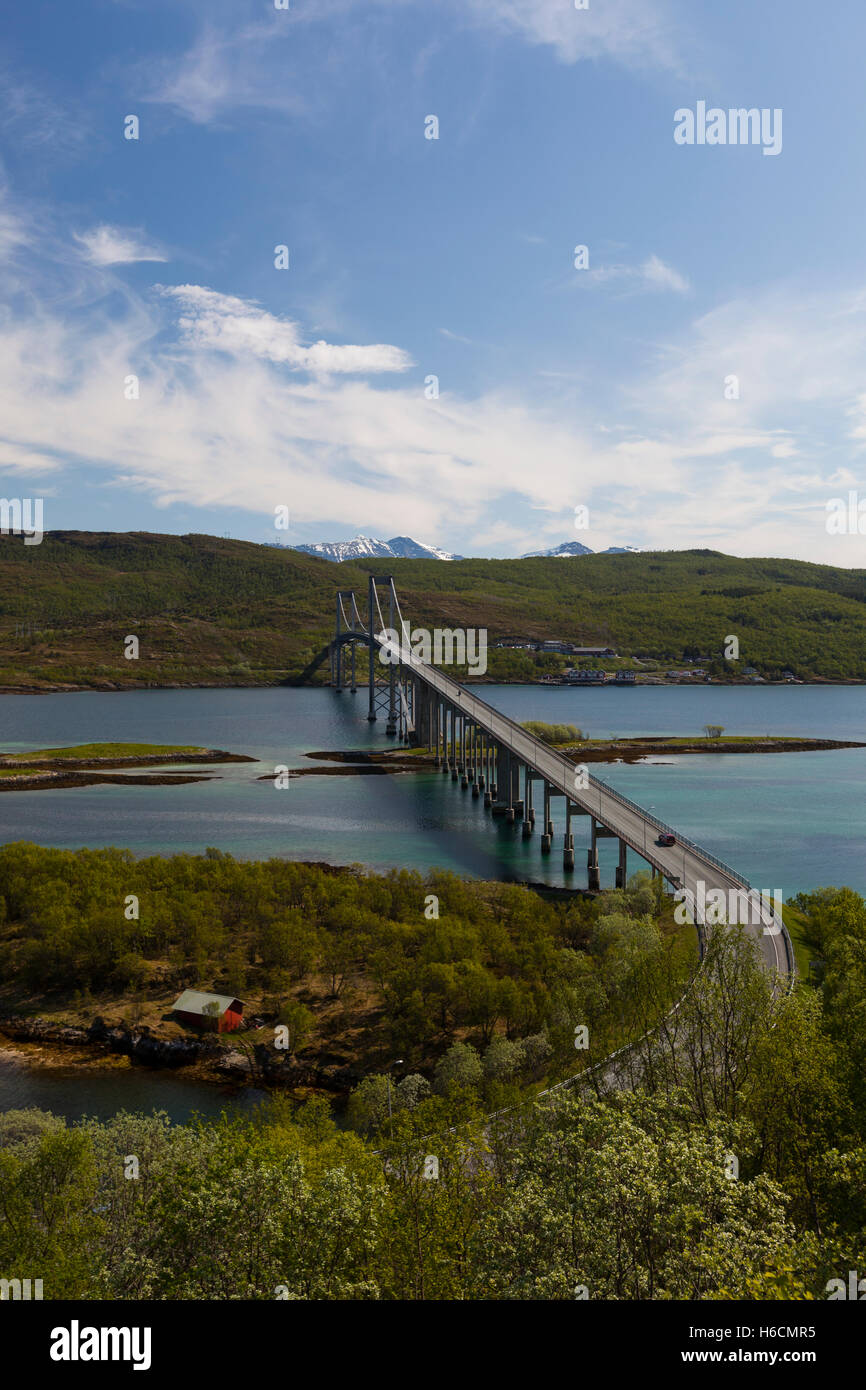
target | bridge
x=519, y=775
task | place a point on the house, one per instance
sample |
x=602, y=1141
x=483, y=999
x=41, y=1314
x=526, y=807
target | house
x=219, y=1013
x=624, y=677
x=586, y=678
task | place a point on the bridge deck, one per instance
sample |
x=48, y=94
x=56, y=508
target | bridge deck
x=684, y=861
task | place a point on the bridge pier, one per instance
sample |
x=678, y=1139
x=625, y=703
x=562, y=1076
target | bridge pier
x=545, y=843
x=568, y=842
x=592, y=861
x=548, y=823
x=621, y=868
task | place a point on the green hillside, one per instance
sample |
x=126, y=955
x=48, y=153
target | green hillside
x=211, y=611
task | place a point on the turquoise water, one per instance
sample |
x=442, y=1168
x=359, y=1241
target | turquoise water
x=791, y=821
x=787, y=821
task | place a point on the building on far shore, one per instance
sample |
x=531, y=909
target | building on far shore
x=218, y=1013
x=586, y=677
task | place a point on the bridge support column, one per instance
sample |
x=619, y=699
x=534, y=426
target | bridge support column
x=548, y=823
x=354, y=685
x=545, y=843
x=371, y=666
x=592, y=861
x=391, y=726
x=528, y=813
x=516, y=798
x=568, y=848
x=621, y=868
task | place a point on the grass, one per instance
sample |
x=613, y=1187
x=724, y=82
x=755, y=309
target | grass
x=82, y=751
x=795, y=921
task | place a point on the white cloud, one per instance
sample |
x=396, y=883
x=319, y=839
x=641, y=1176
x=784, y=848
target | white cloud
x=222, y=321
x=633, y=32
x=235, y=411
x=106, y=245
x=15, y=459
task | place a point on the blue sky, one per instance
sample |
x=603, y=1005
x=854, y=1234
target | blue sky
x=454, y=258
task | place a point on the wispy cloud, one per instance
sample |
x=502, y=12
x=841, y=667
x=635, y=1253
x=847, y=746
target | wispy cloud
x=240, y=62
x=35, y=119
x=233, y=67
x=237, y=409
x=456, y=337
x=222, y=321
x=106, y=245
x=652, y=275
x=633, y=32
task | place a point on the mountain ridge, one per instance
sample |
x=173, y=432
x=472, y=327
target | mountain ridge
x=211, y=611
x=368, y=548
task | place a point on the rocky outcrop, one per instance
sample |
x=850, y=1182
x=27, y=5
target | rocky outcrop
x=257, y=1064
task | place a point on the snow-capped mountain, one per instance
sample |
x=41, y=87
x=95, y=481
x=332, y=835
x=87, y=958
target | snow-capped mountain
x=367, y=547
x=569, y=549
x=564, y=551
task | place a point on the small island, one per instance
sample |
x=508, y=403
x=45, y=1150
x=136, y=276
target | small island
x=574, y=744
x=87, y=764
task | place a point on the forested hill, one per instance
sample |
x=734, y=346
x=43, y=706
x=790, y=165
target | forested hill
x=225, y=612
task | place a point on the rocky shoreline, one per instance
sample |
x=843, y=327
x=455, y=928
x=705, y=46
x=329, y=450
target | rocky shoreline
x=209, y=1057
x=361, y=762
x=38, y=772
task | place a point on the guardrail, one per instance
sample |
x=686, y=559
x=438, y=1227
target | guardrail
x=662, y=825
x=502, y=725
x=505, y=729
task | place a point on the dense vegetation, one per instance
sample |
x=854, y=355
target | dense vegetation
x=554, y=733
x=222, y=612
x=354, y=963
x=728, y=1159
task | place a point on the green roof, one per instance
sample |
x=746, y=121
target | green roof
x=196, y=1001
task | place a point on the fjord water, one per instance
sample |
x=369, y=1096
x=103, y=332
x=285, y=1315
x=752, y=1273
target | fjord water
x=791, y=821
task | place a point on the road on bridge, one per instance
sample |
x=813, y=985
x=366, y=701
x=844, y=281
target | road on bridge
x=684, y=864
